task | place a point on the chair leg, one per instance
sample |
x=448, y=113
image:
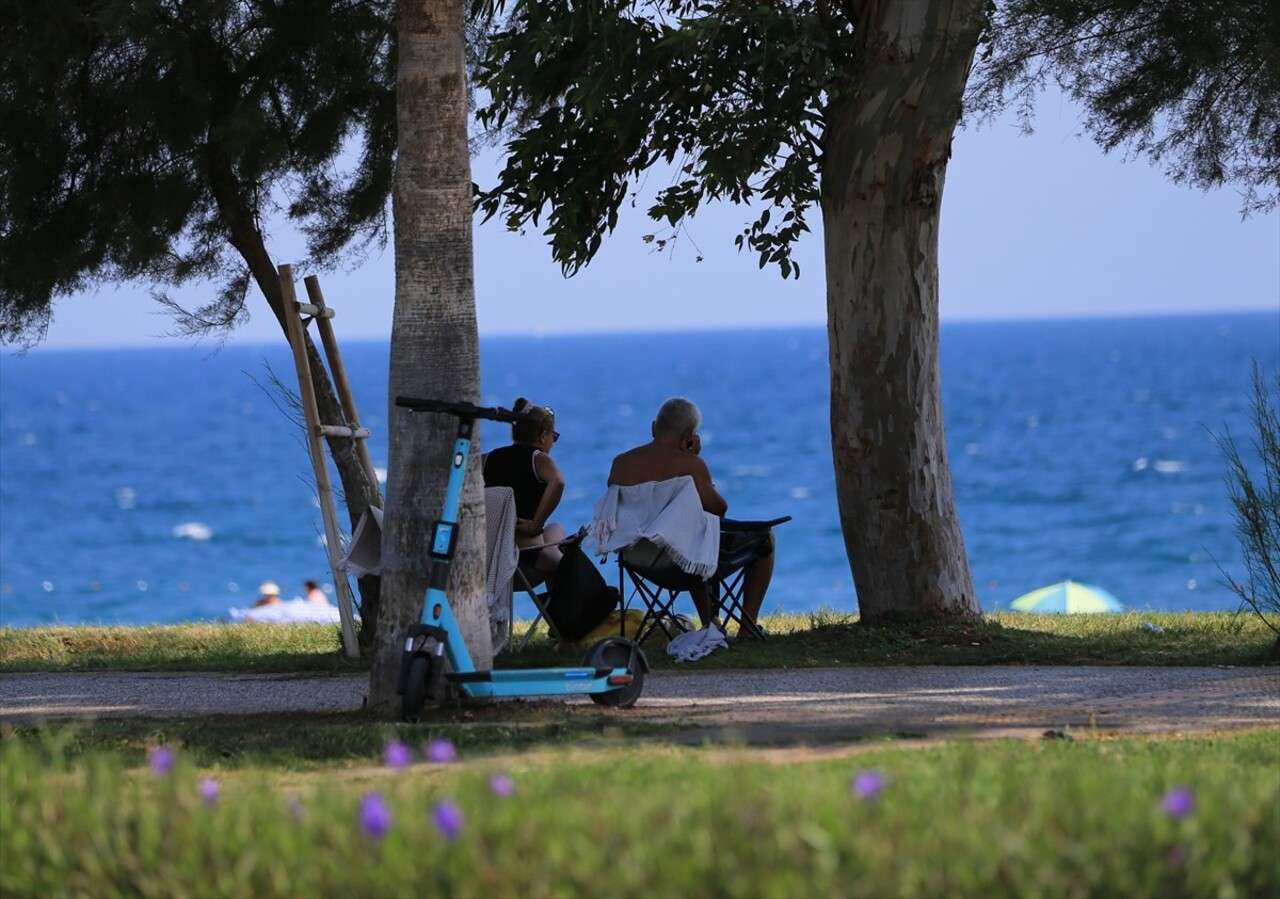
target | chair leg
x=728, y=602
x=655, y=609
x=622, y=604
x=527, y=587
x=529, y=633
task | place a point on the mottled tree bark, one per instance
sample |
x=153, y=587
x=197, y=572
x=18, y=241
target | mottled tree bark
x=434, y=340
x=888, y=140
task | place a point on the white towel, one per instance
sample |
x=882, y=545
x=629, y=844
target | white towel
x=364, y=552
x=697, y=644
x=500, y=544
x=293, y=611
x=668, y=513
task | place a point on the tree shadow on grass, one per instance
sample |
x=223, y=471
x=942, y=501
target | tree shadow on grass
x=305, y=741
x=845, y=642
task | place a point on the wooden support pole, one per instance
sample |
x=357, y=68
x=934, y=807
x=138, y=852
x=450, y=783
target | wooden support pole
x=315, y=311
x=319, y=461
x=339, y=373
x=343, y=431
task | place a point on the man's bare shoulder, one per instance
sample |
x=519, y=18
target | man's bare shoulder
x=651, y=462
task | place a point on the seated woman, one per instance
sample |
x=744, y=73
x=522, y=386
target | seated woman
x=527, y=468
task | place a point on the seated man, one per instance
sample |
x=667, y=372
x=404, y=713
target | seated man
x=674, y=452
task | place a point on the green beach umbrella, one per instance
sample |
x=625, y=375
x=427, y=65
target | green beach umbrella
x=1068, y=596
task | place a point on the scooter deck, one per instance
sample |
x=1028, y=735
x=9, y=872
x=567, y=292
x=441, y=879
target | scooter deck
x=539, y=681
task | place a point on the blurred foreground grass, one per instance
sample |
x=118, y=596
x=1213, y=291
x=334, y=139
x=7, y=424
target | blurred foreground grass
x=1179, y=817
x=817, y=639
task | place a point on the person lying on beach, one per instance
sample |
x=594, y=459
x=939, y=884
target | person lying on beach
x=270, y=594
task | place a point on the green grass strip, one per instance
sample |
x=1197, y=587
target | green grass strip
x=1053, y=818
x=817, y=639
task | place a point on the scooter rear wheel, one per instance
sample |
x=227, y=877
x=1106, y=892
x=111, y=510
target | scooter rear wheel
x=615, y=653
x=416, y=687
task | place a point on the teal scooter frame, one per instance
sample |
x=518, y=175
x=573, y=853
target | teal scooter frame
x=612, y=673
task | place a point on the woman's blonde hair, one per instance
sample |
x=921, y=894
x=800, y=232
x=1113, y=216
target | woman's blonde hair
x=529, y=431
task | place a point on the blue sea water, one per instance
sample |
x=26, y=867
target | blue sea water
x=163, y=484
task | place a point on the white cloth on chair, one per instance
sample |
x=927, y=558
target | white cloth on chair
x=668, y=513
x=502, y=556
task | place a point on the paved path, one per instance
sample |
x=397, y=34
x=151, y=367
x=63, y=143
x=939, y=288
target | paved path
x=803, y=706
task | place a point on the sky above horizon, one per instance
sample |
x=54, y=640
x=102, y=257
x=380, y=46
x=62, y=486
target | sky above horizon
x=1034, y=226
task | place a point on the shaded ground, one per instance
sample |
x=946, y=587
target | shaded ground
x=765, y=708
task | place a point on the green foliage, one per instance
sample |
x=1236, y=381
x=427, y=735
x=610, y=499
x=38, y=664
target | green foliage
x=993, y=819
x=728, y=95
x=148, y=140
x=1257, y=505
x=1192, y=84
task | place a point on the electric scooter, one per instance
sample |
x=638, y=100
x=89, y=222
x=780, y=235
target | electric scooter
x=612, y=673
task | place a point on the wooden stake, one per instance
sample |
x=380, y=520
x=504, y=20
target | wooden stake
x=338, y=372
x=319, y=461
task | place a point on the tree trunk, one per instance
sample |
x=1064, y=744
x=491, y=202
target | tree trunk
x=434, y=341
x=886, y=150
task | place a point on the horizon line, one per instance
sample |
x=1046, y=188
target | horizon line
x=213, y=344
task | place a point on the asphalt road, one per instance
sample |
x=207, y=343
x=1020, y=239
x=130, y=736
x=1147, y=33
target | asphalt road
x=787, y=707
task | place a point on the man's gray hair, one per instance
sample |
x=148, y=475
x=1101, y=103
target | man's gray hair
x=676, y=416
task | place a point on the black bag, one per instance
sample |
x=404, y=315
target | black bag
x=580, y=599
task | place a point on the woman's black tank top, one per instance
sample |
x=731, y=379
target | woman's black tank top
x=512, y=466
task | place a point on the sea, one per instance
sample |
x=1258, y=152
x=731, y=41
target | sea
x=163, y=484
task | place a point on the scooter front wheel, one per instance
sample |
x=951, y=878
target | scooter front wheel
x=416, y=687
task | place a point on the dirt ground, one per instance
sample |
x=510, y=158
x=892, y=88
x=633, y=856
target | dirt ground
x=776, y=708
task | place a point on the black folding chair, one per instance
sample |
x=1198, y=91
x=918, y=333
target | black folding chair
x=528, y=579
x=658, y=581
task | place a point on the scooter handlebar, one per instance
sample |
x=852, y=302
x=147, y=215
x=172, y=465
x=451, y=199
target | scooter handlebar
x=464, y=410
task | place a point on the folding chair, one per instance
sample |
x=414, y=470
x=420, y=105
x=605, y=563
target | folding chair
x=505, y=574
x=501, y=562
x=658, y=581
x=528, y=579
x=727, y=587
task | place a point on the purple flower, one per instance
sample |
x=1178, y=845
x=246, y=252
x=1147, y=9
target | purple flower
x=1178, y=802
x=375, y=816
x=867, y=784
x=397, y=755
x=501, y=785
x=448, y=819
x=209, y=790
x=295, y=808
x=162, y=759
x=441, y=752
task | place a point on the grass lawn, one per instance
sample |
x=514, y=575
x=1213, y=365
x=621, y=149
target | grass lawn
x=410, y=815
x=799, y=641
x=543, y=799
